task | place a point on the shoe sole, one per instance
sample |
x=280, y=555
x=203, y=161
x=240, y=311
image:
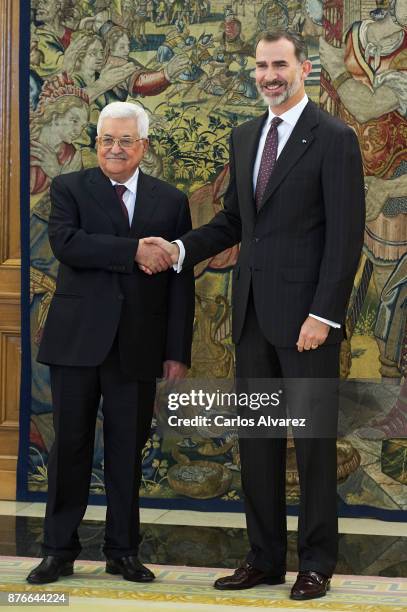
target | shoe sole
x=270, y=582
x=63, y=573
x=116, y=572
x=305, y=597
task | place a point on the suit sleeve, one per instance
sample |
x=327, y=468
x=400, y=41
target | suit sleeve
x=181, y=302
x=344, y=203
x=74, y=247
x=222, y=232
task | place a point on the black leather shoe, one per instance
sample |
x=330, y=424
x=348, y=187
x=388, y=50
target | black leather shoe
x=246, y=577
x=310, y=585
x=49, y=570
x=130, y=568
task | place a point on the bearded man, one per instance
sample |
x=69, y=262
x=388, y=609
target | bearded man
x=295, y=202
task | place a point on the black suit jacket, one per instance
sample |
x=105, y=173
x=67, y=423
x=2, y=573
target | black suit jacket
x=301, y=250
x=100, y=291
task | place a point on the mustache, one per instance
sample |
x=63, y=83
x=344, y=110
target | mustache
x=274, y=82
x=116, y=156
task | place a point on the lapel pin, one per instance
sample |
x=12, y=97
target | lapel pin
x=304, y=141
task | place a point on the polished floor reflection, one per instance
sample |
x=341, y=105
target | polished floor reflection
x=201, y=546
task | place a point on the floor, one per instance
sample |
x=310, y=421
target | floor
x=193, y=540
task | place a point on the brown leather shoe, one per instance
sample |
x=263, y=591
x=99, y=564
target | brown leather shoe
x=246, y=577
x=310, y=585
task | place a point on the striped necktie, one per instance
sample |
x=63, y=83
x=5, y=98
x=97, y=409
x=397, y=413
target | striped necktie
x=120, y=190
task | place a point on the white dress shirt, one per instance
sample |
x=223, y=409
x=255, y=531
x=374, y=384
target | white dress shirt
x=284, y=129
x=129, y=196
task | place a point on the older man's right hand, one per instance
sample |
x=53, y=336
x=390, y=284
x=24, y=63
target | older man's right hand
x=151, y=257
x=158, y=247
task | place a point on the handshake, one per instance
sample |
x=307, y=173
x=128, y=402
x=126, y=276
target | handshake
x=156, y=255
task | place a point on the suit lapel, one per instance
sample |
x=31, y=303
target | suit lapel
x=252, y=143
x=146, y=203
x=300, y=139
x=102, y=192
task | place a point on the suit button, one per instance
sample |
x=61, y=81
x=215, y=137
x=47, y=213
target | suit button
x=120, y=296
x=256, y=239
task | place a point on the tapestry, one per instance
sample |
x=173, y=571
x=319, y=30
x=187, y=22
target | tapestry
x=190, y=65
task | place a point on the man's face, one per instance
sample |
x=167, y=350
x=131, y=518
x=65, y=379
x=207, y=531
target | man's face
x=47, y=10
x=73, y=123
x=279, y=75
x=117, y=163
x=94, y=57
x=122, y=47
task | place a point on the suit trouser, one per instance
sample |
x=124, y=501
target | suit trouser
x=263, y=463
x=127, y=412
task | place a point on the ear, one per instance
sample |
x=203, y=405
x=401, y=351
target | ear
x=306, y=68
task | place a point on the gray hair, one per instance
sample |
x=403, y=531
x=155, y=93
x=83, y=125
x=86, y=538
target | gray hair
x=124, y=110
x=300, y=46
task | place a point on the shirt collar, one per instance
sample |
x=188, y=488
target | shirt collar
x=131, y=183
x=293, y=114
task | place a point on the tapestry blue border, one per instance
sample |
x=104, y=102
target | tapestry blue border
x=25, y=385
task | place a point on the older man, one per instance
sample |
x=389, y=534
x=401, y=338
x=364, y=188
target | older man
x=111, y=330
x=296, y=203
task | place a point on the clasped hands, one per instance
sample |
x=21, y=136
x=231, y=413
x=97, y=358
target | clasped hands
x=155, y=254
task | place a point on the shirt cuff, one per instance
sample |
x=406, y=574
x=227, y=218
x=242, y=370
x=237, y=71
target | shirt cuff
x=331, y=323
x=178, y=266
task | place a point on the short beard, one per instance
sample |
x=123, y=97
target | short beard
x=283, y=97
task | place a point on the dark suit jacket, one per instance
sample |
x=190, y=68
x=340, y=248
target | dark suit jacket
x=301, y=250
x=100, y=291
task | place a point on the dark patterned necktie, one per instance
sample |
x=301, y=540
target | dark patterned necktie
x=268, y=160
x=120, y=190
